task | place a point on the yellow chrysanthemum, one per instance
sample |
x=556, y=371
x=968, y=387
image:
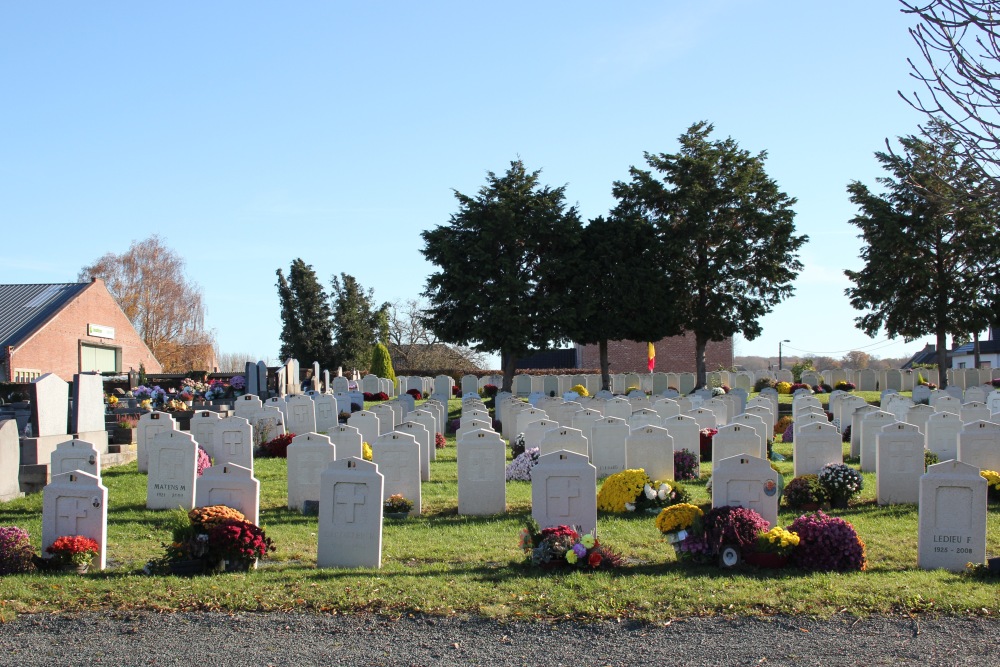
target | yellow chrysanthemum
x=992, y=478
x=784, y=387
x=620, y=488
x=677, y=517
x=366, y=451
x=581, y=390
x=778, y=536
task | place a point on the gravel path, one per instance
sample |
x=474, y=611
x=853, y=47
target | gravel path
x=215, y=639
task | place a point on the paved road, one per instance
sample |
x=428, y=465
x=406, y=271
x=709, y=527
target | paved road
x=215, y=639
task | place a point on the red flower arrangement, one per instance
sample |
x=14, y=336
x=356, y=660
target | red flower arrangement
x=415, y=393
x=439, y=441
x=560, y=546
x=827, y=543
x=706, y=435
x=75, y=549
x=490, y=390
x=237, y=540
x=278, y=447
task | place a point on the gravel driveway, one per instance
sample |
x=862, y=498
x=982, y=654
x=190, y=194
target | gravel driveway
x=216, y=639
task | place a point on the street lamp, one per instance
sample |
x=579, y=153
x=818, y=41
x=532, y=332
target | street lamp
x=779, y=351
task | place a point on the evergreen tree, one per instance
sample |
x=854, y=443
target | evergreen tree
x=506, y=261
x=356, y=324
x=306, y=329
x=726, y=235
x=382, y=363
x=931, y=247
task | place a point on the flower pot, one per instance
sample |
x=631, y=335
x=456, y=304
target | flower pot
x=241, y=565
x=839, y=503
x=124, y=436
x=768, y=561
x=396, y=515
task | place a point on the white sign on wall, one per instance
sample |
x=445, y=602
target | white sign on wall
x=100, y=331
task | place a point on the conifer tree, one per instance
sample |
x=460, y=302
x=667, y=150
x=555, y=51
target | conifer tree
x=382, y=363
x=356, y=323
x=306, y=328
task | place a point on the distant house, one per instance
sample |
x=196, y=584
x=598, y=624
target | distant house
x=66, y=328
x=928, y=355
x=989, y=354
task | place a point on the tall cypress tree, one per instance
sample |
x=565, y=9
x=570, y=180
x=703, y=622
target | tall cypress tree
x=306, y=320
x=356, y=323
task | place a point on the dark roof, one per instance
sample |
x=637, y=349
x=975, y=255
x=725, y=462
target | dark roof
x=928, y=355
x=985, y=347
x=24, y=308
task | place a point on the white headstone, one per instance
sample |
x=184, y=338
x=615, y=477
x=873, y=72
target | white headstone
x=644, y=417
x=618, y=407
x=49, y=405
x=974, y=411
x=685, y=432
x=952, y=517
x=397, y=456
x=704, y=418
x=979, y=445
x=899, y=464
x=10, y=461
x=88, y=403
x=172, y=471
x=757, y=424
x=734, y=440
x=350, y=515
x=816, y=445
x=150, y=424
x=423, y=437
x=347, y=440
x=76, y=503
x=366, y=422
x=472, y=425
x=942, y=434
x=564, y=491
x=652, y=449
x=326, y=411
x=203, y=424
x=230, y=485
x=746, y=481
x=871, y=426
x=562, y=437
x=234, y=441
x=308, y=456
x=536, y=431
x=76, y=455
x=608, y=437
x=482, y=489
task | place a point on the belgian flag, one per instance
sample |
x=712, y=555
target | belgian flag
x=652, y=357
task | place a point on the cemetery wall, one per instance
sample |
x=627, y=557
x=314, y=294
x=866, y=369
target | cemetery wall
x=673, y=355
x=56, y=346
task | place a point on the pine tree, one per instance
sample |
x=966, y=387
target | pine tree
x=306, y=327
x=382, y=363
x=356, y=324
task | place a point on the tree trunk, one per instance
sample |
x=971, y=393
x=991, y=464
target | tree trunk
x=975, y=350
x=508, y=366
x=605, y=367
x=942, y=357
x=701, y=377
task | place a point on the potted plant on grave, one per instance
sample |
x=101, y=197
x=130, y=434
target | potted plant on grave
x=564, y=547
x=772, y=549
x=723, y=534
x=73, y=553
x=686, y=465
x=634, y=491
x=675, y=522
x=16, y=552
x=397, y=507
x=239, y=543
x=992, y=483
x=841, y=482
x=805, y=493
x=125, y=430
x=827, y=544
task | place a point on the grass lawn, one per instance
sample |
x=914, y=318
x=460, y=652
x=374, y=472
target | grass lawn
x=442, y=563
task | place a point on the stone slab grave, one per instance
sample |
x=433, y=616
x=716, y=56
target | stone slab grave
x=10, y=461
x=607, y=445
x=564, y=491
x=308, y=456
x=341, y=384
x=746, y=481
x=974, y=411
x=76, y=503
x=423, y=438
x=816, y=445
x=536, y=431
x=300, y=415
x=584, y=421
x=76, y=455
x=246, y=405
x=350, y=515
x=857, y=418
x=347, y=440
x=230, y=485
x=948, y=404
x=871, y=426
x=440, y=413
x=666, y=407
x=203, y=424
x=386, y=417
x=993, y=401
x=685, y=432
x=618, y=407
x=482, y=488
x=426, y=417
x=975, y=395
x=87, y=417
x=652, y=449
x=734, y=440
x=397, y=456
x=757, y=424
x=366, y=422
x=899, y=453
x=48, y=421
x=172, y=471
x=474, y=414
x=234, y=441
x=952, y=517
x=644, y=417
x=704, y=418
x=326, y=411
x=921, y=394
x=472, y=425
x=918, y=416
x=979, y=445
x=563, y=413
x=268, y=423
x=942, y=434
x=149, y=425
x=899, y=406
x=765, y=414
x=563, y=437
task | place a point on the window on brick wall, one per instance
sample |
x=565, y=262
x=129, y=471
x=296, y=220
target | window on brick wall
x=100, y=359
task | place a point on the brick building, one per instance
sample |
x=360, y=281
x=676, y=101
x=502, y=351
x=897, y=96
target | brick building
x=64, y=329
x=673, y=355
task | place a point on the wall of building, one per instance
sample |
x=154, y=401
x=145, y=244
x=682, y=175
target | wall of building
x=673, y=355
x=55, y=347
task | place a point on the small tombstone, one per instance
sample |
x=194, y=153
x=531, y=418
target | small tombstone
x=327, y=411
x=871, y=426
x=921, y=394
x=76, y=503
x=563, y=437
x=536, y=431
x=736, y=439
x=948, y=403
x=76, y=455
x=857, y=418
x=993, y=401
x=952, y=517
x=974, y=411
x=766, y=415
x=666, y=407
x=899, y=406
x=618, y=407
x=942, y=434
x=607, y=445
x=341, y=385
x=525, y=417
x=918, y=416
x=230, y=485
x=746, y=481
x=473, y=425
x=482, y=489
x=474, y=414
x=10, y=460
x=975, y=395
x=49, y=405
x=350, y=515
x=867, y=380
x=397, y=456
x=584, y=421
x=899, y=452
x=268, y=423
x=758, y=425
x=366, y=422
x=234, y=441
x=956, y=392
x=704, y=418
x=150, y=424
x=347, y=440
x=203, y=425
x=426, y=417
x=88, y=403
x=816, y=445
x=652, y=449
x=246, y=404
x=423, y=437
x=172, y=471
x=564, y=491
x=470, y=385
x=979, y=445
x=685, y=432
x=644, y=417
x=407, y=402
x=308, y=456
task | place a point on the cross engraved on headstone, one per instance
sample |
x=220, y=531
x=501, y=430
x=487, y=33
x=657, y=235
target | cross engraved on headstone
x=233, y=441
x=394, y=463
x=744, y=493
x=311, y=466
x=325, y=411
x=68, y=510
x=560, y=491
x=299, y=411
x=346, y=498
x=478, y=467
x=171, y=463
x=900, y=460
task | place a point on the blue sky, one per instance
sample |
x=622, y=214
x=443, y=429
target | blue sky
x=247, y=134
